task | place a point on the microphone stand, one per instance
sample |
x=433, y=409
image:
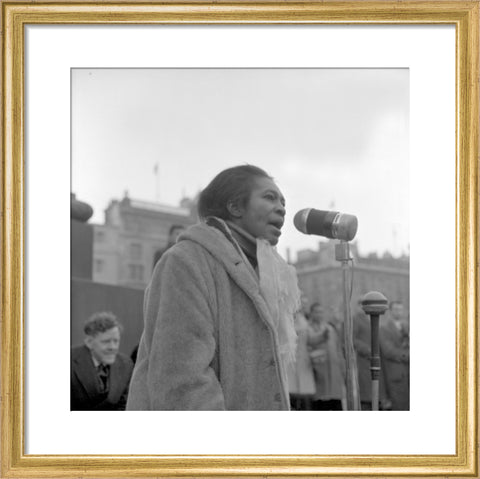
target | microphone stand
x=342, y=254
x=374, y=304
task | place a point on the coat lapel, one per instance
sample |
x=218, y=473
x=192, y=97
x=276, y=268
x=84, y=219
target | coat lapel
x=237, y=266
x=86, y=373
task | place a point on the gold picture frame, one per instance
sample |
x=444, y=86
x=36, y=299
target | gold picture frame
x=16, y=14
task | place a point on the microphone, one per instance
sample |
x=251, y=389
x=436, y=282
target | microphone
x=330, y=224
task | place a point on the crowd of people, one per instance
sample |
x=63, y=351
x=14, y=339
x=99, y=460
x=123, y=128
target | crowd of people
x=225, y=326
x=317, y=379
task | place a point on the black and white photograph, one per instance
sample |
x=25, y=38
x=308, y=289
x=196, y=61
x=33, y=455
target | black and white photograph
x=267, y=209
x=240, y=239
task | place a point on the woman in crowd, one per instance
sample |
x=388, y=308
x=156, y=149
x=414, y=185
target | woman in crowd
x=327, y=360
x=219, y=309
x=301, y=380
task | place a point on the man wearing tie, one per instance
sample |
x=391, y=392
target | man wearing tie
x=100, y=375
x=395, y=349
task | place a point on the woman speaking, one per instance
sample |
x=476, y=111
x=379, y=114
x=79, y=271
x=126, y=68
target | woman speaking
x=219, y=309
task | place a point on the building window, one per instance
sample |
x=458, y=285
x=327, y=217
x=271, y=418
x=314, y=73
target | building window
x=135, y=272
x=99, y=265
x=135, y=251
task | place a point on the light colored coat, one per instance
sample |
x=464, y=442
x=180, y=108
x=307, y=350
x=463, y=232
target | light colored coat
x=301, y=380
x=208, y=342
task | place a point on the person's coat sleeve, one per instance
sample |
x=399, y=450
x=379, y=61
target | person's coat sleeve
x=389, y=347
x=181, y=305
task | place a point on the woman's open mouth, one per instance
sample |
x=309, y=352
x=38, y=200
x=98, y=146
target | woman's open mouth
x=277, y=225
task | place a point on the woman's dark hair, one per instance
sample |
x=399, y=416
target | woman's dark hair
x=233, y=186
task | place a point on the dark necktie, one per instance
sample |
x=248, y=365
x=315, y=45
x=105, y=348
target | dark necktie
x=102, y=371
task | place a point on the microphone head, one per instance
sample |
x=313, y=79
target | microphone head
x=345, y=227
x=374, y=303
x=330, y=224
x=300, y=220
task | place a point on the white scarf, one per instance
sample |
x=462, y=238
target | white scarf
x=279, y=289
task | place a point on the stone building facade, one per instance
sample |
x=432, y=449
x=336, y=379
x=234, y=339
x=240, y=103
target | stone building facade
x=320, y=276
x=124, y=246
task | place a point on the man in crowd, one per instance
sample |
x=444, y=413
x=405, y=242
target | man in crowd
x=395, y=349
x=100, y=375
x=173, y=234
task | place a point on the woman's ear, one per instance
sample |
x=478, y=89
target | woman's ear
x=234, y=209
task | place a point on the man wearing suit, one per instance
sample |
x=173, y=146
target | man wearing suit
x=100, y=375
x=395, y=350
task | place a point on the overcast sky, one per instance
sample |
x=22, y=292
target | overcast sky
x=331, y=138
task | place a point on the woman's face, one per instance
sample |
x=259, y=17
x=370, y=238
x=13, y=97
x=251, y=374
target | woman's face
x=264, y=213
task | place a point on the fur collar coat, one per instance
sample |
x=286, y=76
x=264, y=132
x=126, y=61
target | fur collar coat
x=208, y=341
